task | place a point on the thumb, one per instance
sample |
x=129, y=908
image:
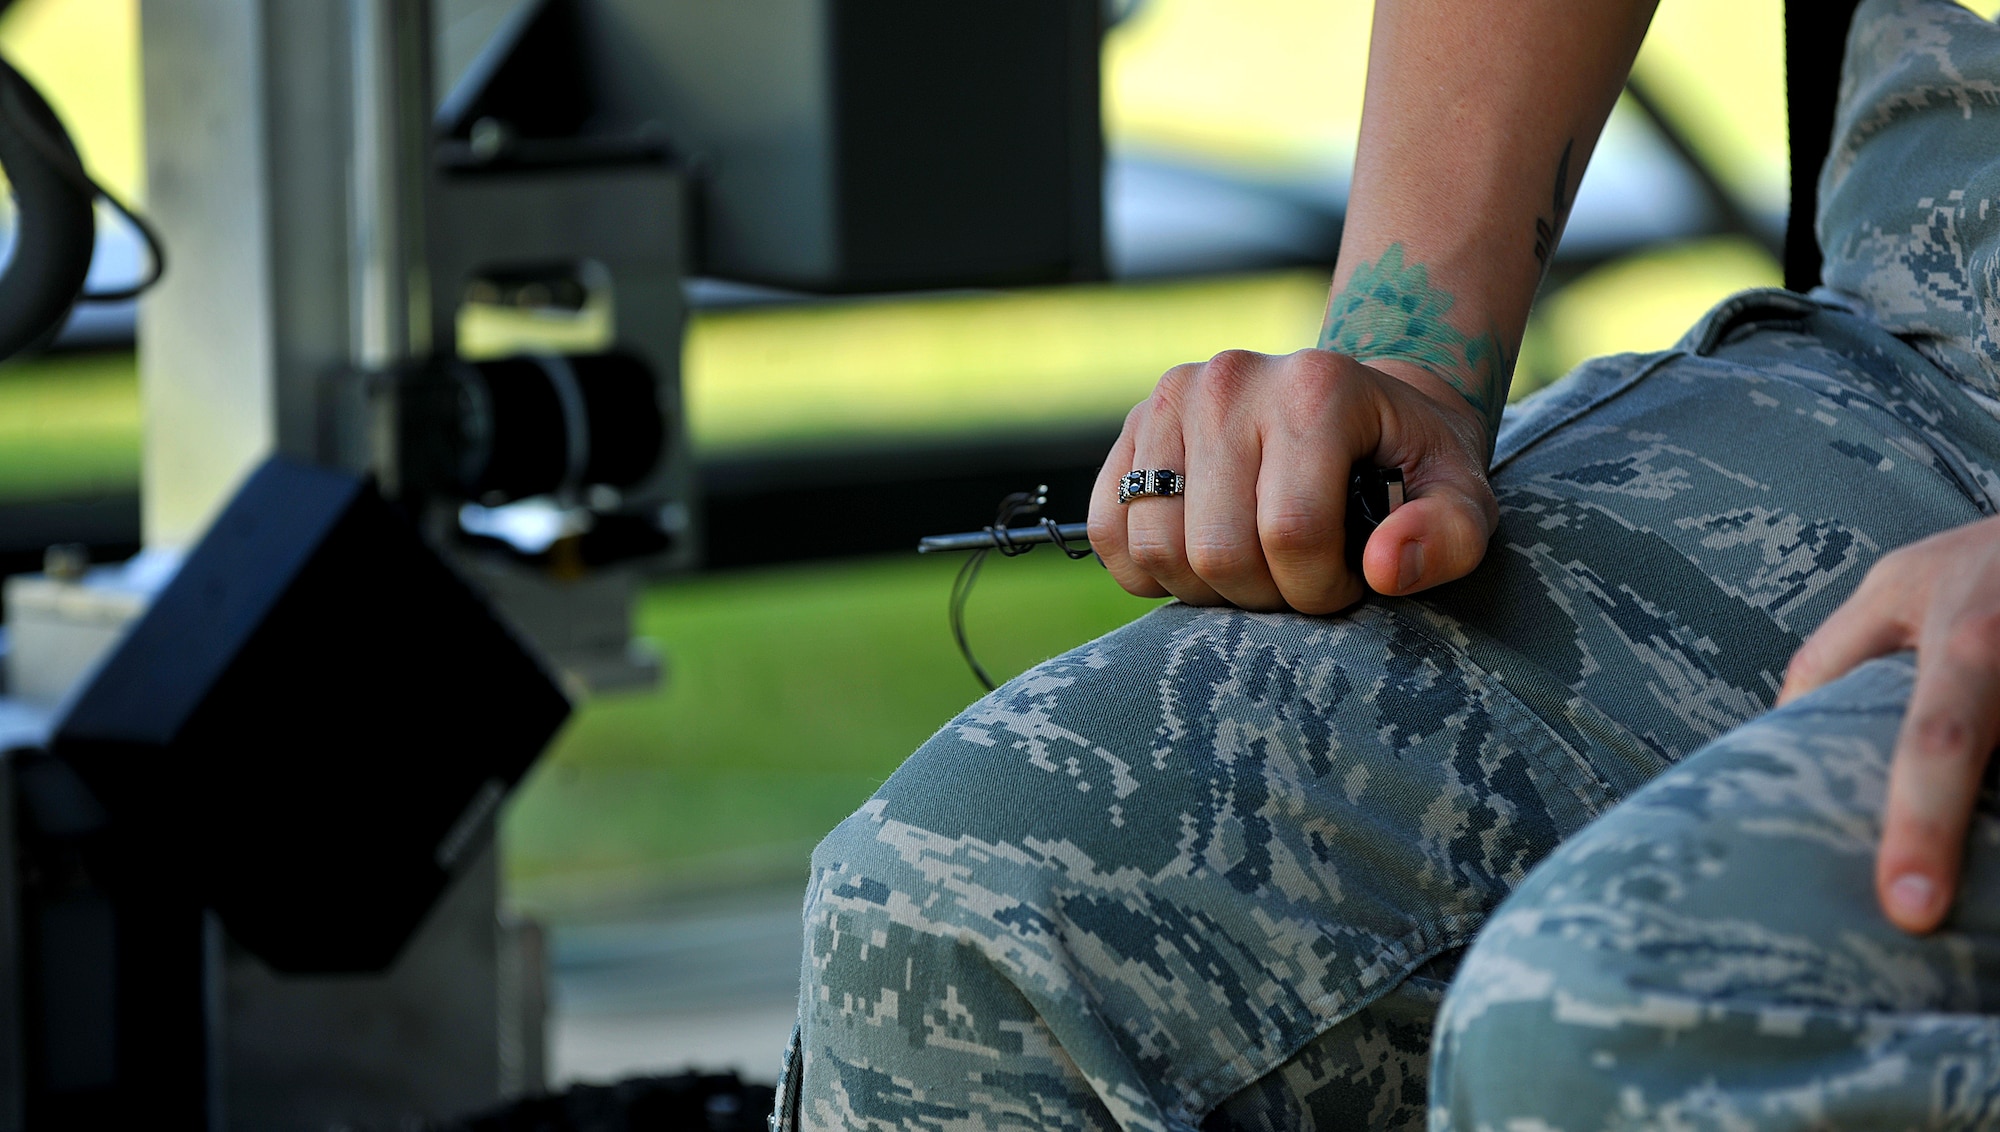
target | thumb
x=1434, y=538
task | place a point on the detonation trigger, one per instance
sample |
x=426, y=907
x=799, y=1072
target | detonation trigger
x=1372, y=495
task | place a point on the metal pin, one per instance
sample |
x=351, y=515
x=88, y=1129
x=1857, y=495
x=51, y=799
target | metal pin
x=985, y=540
x=1372, y=495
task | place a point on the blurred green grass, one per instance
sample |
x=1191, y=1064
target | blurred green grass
x=69, y=425
x=792, y=693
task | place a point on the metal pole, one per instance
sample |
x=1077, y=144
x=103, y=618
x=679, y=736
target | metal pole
x=390, y=48
x=988, y=540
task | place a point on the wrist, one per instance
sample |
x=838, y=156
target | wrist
x=1466, y=419
x=1389, y=314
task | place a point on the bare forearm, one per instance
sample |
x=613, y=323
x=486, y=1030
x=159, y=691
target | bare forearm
x=1480, y=116
x=1479, y=119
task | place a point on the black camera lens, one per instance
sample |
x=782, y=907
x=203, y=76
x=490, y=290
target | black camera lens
x=547, y=424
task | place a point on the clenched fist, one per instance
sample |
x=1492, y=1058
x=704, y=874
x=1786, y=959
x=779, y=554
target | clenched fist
x=1266, y=444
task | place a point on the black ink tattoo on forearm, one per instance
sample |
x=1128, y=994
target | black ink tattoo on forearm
x=1549, y=229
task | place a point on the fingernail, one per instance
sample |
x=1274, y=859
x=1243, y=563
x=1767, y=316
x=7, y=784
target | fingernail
x=1410, y=570
x=1910, y=896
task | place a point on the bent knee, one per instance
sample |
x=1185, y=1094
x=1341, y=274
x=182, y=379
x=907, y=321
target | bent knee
x=1724, y=906
x=1501, y=1036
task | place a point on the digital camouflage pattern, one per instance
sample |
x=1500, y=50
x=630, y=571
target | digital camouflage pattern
x=1709, y=955
x=1909, y=199
x=1149, y=872
x=1216, y=868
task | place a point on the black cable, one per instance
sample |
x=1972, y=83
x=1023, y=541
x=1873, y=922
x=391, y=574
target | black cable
x=1372, y=495
x=54, y=231
x=60, y=155
x=155, y=252
x=961, y=588
x=1019, y=505
x=1055, y=531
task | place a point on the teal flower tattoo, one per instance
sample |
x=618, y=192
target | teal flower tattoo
x=1390, y=310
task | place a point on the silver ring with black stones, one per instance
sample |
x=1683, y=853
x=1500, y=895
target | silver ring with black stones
x=1140, y=482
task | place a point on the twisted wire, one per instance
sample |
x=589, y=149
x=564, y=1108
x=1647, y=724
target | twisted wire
x=1017, y=506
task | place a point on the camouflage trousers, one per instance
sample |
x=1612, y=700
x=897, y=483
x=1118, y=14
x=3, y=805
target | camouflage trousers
x=1216, y=868
x=1708, y=956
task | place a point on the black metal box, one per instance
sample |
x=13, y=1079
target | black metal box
x=312, y=726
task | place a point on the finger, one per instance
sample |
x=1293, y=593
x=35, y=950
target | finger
x=1947, y=736
x=1107, y=516
x=1436, y=537
x=1302, y=483
x=1870, y=623
x=1223, y=485
x=1156, y=526
x=1301, y=503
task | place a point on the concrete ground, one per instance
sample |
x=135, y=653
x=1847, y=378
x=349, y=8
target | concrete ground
x=708, y=983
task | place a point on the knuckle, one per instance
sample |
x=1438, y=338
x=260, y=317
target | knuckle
x=1229, y=373
x=1217, y=556
x=1321, y=388
x=1154, y=553
x=1223, y=391
x=1310, y=398
x=1234, y=363
x=1294, y=532
x=1170, y=392
x=1317, y=369
x=1941, y=737
x=1138, y=584
x=1104, y=528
